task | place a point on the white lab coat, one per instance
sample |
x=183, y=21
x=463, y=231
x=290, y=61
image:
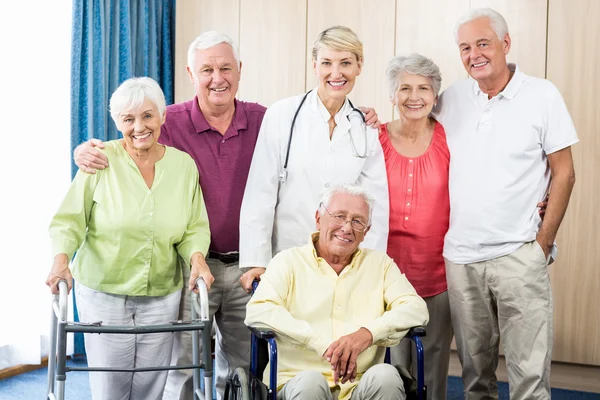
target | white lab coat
x=276, y=216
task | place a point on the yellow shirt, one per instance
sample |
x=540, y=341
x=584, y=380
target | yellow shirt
x=126, y=235
x=303, y=300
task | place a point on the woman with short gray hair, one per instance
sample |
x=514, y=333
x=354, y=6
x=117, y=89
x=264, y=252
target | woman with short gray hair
x=417, y=161
x=128, y=224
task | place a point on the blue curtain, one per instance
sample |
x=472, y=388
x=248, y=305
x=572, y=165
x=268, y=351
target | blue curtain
x=114, y=40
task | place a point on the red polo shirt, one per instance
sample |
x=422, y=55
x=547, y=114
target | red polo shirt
x=419, y=211
x=223, y=162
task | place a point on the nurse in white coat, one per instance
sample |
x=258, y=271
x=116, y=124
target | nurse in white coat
x=306, y=144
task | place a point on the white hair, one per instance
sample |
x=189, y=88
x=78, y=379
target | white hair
x=207, y=40
x=352, y=190
x=497, y=21
x=132, y=93
x=415, y=64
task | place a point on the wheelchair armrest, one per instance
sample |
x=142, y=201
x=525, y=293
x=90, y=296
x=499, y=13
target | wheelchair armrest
x=417, y=331
x=262, y=333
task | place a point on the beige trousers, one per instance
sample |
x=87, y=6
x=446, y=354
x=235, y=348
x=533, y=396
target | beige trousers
x=227, y=308
x=380, y=382
x=436, y=348
x=508, y=296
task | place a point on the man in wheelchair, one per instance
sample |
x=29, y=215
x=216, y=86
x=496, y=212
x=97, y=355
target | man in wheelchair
x=336, y=307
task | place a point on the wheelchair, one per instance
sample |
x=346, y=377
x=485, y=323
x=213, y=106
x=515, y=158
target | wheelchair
x=241, y=386
x=200, y=325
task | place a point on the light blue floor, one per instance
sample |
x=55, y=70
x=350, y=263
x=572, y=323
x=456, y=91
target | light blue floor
x=33, y=385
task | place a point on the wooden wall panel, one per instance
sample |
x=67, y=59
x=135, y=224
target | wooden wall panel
x=275, y=38
x=273, y=43
x=427, y=28
x=192, y=18
x=573, y=60
x=526, y=21
x=373, y=22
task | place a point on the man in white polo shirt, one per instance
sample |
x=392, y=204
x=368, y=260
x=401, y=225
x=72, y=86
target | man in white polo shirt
x=509, y=136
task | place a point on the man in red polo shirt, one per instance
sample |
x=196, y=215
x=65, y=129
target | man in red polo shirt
x=219, y=132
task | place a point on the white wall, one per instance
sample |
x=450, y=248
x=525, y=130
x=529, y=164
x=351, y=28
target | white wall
x=34, y=164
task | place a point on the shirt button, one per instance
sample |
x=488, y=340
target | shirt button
x=410, y=175
x=410, y=160
x=406, y=218
x=148, y=239
x=338, y=307
x=409, y=189
x=327, y=185
x=408, y=204
x=149, y=191
x=150, y=213
x=222, y=141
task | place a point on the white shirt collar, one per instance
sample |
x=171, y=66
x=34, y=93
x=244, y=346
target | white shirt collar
x=340, y=118
x=511, y=90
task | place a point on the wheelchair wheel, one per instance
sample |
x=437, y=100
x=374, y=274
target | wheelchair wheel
x=239, y=385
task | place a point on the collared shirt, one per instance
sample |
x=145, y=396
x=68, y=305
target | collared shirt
x=276, y=216
x=303, y=300
x=126, y=235
x=223, y=161
x=499, y=167
x=419, y=211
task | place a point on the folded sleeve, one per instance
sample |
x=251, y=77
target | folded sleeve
x=260, y=196
x=404, y=309
x=197, y=233
x=374, y=179
x=68, y=227
x=267, y=307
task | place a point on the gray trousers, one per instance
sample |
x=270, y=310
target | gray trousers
x=227, y=309
x=436, y=348
x=380, y=382
x=508, y=296
x=127, y=351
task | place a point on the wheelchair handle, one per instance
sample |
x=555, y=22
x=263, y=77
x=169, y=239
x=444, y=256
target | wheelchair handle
x=417, y=331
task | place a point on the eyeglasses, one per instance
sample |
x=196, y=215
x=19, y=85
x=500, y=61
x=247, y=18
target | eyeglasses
x=340, y=220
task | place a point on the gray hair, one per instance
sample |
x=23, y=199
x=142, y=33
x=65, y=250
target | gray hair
x=207, y=40
x=352, y=190
x=415, y=64
x=132, y=93
x=497, y=21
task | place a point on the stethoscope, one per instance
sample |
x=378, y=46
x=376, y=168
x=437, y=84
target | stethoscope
x=284, y=172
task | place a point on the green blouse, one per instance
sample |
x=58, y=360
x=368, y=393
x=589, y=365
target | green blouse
x=127, y=236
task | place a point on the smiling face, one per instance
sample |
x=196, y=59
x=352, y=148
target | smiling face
x=141, y=126
x=414, y=98
x=482, y=53
x=337, y=72
x=215, y=76
x=336, y=240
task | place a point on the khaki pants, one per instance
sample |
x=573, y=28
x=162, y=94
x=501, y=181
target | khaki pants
x=380, y=382
x=508, y=296
x=436, y=348
x=227, y=308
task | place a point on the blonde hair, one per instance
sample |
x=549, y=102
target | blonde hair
x=339, y=38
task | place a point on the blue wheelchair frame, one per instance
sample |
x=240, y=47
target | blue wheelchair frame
x=413, y=334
